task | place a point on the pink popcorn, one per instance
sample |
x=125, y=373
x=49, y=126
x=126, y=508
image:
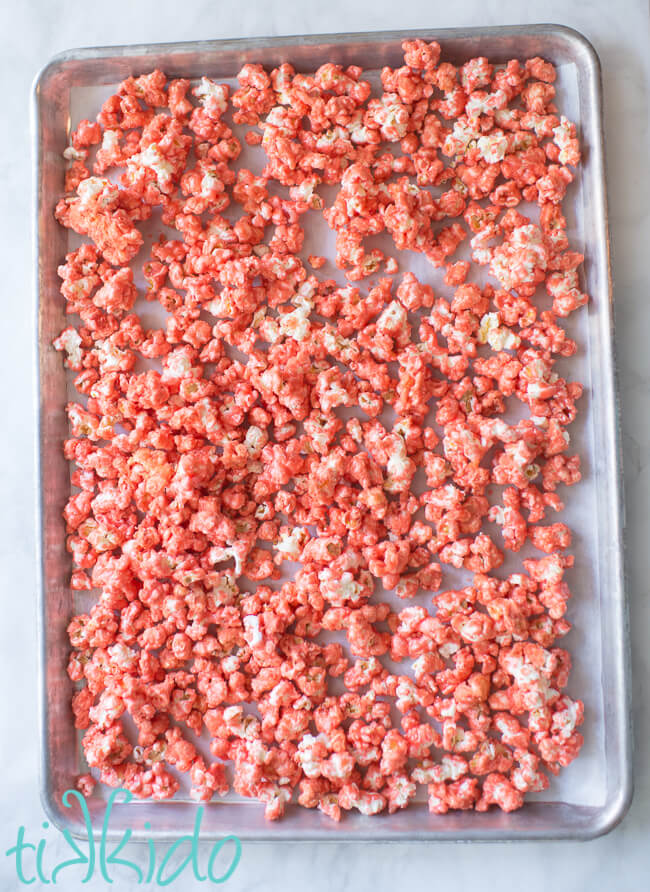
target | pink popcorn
x=280, y=420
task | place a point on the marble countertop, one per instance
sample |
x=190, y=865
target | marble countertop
x=31, y=31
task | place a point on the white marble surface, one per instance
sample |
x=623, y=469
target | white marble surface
x=33, y=30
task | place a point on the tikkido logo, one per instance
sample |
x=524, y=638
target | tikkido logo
x=97, y=858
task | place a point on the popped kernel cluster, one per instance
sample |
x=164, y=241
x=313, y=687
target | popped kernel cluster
x=358, y=432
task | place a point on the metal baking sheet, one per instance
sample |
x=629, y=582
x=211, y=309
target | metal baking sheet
x=592, y=794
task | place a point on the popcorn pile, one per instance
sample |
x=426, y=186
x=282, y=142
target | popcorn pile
x=358, y=431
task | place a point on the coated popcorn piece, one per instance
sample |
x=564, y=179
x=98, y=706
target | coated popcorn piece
x=520, y=262
x=247, y=475
x=564, y=137
x=499, y=790
x=96, y=212
x=563, y=288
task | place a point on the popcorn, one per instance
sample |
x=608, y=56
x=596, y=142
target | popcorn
x=278, y=416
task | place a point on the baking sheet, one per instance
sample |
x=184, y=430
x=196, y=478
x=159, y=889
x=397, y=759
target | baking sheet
x=585, y=782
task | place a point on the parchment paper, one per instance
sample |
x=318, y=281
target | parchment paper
x=584, y=781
